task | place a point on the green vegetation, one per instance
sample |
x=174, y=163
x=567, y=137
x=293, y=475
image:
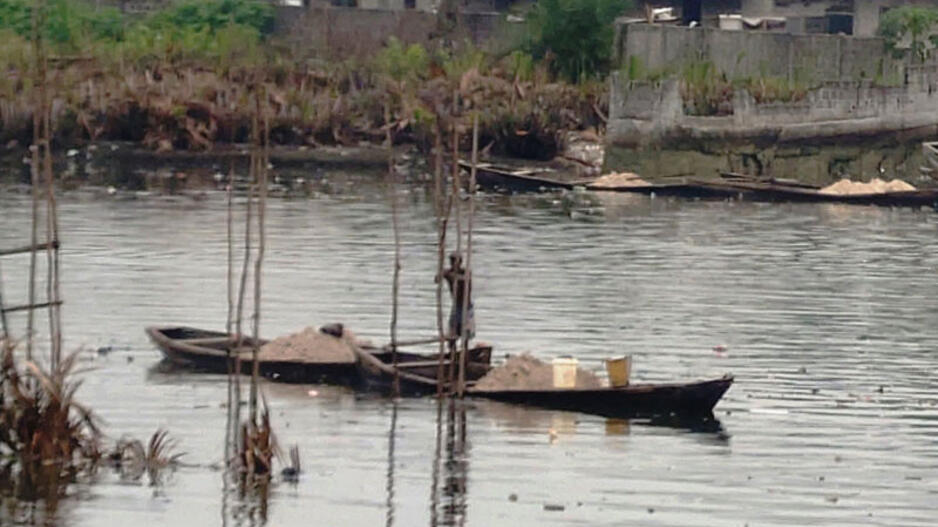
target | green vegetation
x=910, y=27
x=185, y=28
x=574, y=36
x=182, y=78
x=707, y=91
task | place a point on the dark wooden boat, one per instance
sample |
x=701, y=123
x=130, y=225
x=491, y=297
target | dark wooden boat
x=772, y=189
x=506, y=179
x=636, y=400
x=417, y=372
x=209, y=351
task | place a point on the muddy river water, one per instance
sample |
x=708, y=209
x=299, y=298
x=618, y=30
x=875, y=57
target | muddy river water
x=828, y=314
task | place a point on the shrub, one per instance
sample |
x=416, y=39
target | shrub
x=910, y=27
x=574, y=36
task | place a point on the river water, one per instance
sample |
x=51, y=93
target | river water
x=829, y=315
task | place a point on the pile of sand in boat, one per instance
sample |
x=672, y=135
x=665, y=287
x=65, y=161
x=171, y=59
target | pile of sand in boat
x=846, y=187
x=524, y=372
x=311, y=345
x=619, y=180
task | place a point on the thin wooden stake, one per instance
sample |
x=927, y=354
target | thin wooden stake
x=34, y=173
x=53, y=293
x=261, y=241
x=442, y=219
x=467, y=292
x=229, y=320
x=451, y=376
x=4, y=328
x=395, y=286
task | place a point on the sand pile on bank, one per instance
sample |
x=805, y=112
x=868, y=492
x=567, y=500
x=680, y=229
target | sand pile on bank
x=309, y=345
x=524, y=372
x=845, y=187
x=619, y=180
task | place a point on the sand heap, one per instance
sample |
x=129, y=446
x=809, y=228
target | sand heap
x=619, y=180
x=309, y=345
x=524, y=372
x=845, y=187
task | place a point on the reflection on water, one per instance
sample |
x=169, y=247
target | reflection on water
x=390, y=486
x=827, y=314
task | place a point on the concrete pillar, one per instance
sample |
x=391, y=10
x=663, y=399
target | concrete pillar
x=865, y=18
x=758, y=7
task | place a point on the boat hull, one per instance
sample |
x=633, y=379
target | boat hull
x=214, y=358
x=377, y=373
x=691, y=399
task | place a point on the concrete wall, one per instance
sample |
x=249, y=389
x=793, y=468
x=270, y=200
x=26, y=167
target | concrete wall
x=356, y=32
x=650, y=131
x=741, y=54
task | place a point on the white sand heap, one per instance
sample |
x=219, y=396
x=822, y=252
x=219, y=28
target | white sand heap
x=309, y=345
x=845, y=187
x=524, y=372
x=619, y=180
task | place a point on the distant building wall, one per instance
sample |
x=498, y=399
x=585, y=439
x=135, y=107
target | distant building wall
x=740, y=54
x=856, y=91
x=344, y=32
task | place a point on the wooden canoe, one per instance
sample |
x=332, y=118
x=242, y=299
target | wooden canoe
x=417, y=372
x=506, y=179
x=208, y=351
x=770, y=189
x=636, y=400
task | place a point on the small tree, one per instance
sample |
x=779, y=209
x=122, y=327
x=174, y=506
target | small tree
x=574, y=35
x=912, y=28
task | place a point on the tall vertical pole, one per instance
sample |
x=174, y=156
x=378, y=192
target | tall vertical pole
x=34, y=166
x=442, y=219
x=262, y=137
x=395, y=285
x=4, y=328
x=456, y=189
x=467, y=277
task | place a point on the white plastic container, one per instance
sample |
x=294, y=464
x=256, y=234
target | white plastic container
x=565, y=372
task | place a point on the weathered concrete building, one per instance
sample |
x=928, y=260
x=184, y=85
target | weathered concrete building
x=813, y=106
x=850, y=17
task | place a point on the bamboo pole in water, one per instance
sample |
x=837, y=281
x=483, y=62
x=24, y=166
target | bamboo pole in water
x=4, y=328
x=451, y=375
x=395, y=285
x=242, y=286
x=262, y=146
x=230, y=425
x=442, y=219
x=229, y=320
x=467, y=277
x=53, y=292
x=34, y=174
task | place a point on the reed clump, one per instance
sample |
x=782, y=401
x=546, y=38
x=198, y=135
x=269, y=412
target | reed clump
x=46, y=436
x=132, y=460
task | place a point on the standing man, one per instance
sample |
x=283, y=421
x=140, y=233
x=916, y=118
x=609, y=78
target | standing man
x=460, y=288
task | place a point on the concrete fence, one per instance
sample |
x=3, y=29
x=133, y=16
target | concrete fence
x=739, y=54
x=355, y=32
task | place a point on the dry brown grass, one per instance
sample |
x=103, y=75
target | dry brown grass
x=43, y=429
x=191, y=107
x=258, y=446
